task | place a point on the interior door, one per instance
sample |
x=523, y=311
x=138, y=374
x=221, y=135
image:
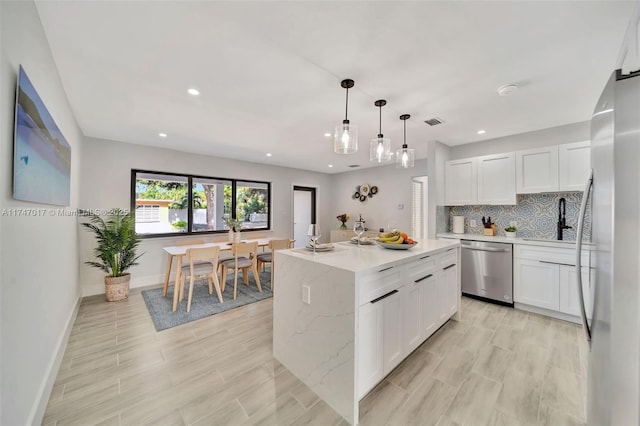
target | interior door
x=304, y=212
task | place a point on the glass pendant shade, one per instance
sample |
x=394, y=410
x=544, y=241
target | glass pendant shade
x=404, y=157
x=345, y=138
x=380, y=149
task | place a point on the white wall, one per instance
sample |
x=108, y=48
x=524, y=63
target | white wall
x=568, y=133
x=437, y=154
x=39, y=255
x=106, y=182
x=394, y=186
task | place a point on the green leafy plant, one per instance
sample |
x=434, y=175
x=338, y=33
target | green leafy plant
x=117, y=241
x=180, y=224
x=510, y=229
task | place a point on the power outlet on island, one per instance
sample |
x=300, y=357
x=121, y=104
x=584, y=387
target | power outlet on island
x=306, y=294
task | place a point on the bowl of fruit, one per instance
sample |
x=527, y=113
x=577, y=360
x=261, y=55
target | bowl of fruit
x=395, y=241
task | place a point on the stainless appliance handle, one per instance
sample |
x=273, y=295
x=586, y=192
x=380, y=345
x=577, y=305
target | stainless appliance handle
x=579, y=232
x=484, y=249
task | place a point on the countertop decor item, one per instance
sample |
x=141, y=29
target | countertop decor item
x=510, y=231
x=116, y=250
x=343, y=218
x=404, y=156
x=345, y=138
x=397, y=246
x=380, y=147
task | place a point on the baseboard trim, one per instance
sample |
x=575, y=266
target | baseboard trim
x=548, y=313
x=40, y=405
x=136, y=282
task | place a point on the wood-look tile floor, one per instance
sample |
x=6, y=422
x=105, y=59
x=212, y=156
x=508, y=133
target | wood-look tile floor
x=497, y=366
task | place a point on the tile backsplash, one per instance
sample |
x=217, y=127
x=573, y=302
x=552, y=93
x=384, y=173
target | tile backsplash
x=536, y=216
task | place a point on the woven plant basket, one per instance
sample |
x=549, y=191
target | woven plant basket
x=117, y=288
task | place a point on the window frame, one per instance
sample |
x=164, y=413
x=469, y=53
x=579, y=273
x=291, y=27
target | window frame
x=190, y=178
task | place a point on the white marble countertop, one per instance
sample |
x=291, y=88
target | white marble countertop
x=510, y=240
x=350, y=257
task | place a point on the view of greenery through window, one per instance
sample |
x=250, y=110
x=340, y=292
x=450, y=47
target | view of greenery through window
x=162, y=203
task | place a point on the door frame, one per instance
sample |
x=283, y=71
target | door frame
x=314, y=191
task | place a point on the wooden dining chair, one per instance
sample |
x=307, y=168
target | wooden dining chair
x=184, y=262
x=202, y=264
x=267, y=257
x=245, y=259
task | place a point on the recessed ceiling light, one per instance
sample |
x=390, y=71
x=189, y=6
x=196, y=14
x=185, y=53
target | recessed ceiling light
x=330, y=165
x=269, y=154
x=192, y=91
x=327, y=135
x=482, y=132
x=162, y=135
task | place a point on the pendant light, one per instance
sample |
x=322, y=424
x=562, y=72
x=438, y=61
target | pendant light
x=380, y=147
x=345, y=137
x=404, y=156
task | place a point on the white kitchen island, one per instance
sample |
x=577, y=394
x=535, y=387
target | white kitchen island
x=343, y=319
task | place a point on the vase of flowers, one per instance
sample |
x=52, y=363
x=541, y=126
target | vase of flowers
x=343, y=218
x=235, y=226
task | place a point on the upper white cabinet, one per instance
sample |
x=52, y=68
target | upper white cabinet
x=496, y=179
x=553, y=168
x=574, y=164
x=537, y=170
x=489, y=179
x=461, y=182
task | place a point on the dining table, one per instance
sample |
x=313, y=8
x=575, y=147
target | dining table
x=178, y=252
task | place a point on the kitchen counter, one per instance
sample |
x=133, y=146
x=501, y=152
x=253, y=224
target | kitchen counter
x=502, y=239
x=318, y=300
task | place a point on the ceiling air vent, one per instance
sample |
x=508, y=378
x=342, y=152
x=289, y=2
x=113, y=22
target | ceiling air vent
x=434, y=121
x=353, y=166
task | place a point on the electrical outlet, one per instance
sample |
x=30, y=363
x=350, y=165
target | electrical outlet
x=513, y=223
x=472, y=223
x=306, y=294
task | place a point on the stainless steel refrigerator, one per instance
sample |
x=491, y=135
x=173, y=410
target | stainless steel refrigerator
x=613, y=395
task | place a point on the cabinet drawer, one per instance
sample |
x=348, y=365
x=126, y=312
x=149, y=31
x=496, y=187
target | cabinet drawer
x=422, y=267
x=375, y=284
x=550, y=254
x=449, y=257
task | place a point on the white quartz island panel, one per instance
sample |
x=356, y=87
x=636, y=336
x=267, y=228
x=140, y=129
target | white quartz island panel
x=315, y=313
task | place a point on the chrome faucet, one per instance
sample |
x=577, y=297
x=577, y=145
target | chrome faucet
x=562, y=219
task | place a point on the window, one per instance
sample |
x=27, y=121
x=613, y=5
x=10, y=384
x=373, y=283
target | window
x=167, y=203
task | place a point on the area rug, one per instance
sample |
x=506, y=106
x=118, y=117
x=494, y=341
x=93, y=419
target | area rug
x=203, y=304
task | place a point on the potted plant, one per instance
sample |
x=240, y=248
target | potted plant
x=510, y=231
x=116, y=250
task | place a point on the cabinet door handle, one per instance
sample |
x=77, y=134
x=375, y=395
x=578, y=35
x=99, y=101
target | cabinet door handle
x=557, y=263
x=425, y=257
x=385, y=269
x=449, y=267
x=423, y=278
x=384, y=296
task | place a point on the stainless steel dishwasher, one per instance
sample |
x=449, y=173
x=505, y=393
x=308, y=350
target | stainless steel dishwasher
x=487, y=271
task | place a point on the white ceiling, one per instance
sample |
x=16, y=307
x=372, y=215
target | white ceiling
x=269, y=72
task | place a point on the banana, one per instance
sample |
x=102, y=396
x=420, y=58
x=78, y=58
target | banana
x=387, y=236
x=390, y=239
x=397, y=240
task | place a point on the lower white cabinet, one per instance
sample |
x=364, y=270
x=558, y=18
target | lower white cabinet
x=536, y=283
x=370, y=347
x=546, y=278
x=569, y=295
x=397, y=320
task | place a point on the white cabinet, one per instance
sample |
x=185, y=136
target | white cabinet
x=413, y=300
x=461, y=182
x=393, y=339
x=536, y=283
x=370, y=335
x=553, y=168
x=430, y=315
x=452, y=296
x=545, y=277
x=569, y=295
x=574, y=165
x=537, y=170
x=497, y=179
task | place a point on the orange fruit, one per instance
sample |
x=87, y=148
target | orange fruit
x=409, y=240
x=404, y=235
